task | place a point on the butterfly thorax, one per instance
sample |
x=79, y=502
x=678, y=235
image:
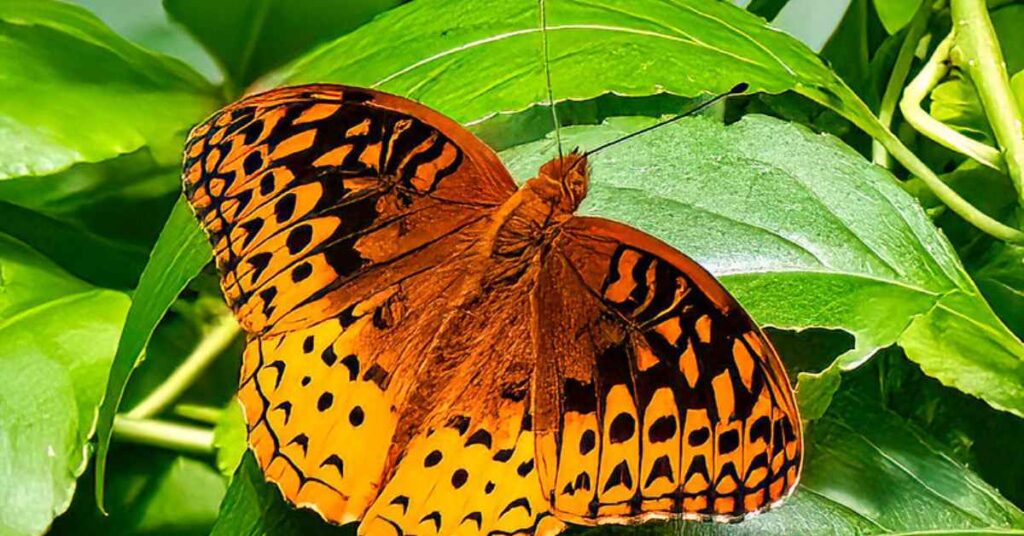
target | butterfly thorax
x=525, y=224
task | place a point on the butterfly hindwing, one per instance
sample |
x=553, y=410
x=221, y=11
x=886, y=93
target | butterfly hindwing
x=664, y=399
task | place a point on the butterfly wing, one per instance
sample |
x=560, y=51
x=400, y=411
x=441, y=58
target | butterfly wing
x=343, y=221
x=655, y=394
x=471, y=468
x=305, y=190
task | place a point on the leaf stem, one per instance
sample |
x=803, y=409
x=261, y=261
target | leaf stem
x=931, y=74
x=914, y=165
x=947, y=195
x=206, y=414
x=168, y=435
x=977, y=51
x=219, y=337
x=900, y=70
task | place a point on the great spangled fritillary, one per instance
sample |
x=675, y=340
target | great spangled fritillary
x=434, y=351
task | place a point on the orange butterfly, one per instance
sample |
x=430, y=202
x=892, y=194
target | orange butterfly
x=434, y=351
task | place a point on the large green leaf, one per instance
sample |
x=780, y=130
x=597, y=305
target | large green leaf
x=249, y=38
x=73, y=91
x=179, y=254
x=489, y=58
x=964, y=424
x=1001, y=279
x=805, y=233
x=57, y=339
x=87, y=256
x=868, y=471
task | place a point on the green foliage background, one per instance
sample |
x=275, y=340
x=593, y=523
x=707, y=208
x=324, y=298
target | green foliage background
x=823, y=210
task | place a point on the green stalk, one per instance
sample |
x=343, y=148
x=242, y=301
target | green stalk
x=914, y=165
x=215, y=342
x=199, y=413
x=978, y=52
x=168, y=435
x=947, y=195
x=900, y=70
x=931, y=74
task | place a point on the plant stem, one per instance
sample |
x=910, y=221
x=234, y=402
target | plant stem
x=900, y=70
x=223, y=332
x=173, y=436
x=979, y=54
x=919, y=88
x=199, y=413
x=947, y=195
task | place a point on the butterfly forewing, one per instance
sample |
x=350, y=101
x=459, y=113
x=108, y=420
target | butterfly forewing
x=304, y=190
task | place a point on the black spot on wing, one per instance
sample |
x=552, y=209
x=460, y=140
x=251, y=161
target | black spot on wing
x=521, y=502
x=480, y=437
x=435, y=518
x=620, y=475
x=334, y=461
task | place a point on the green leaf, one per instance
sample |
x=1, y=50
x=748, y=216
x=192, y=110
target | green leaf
x=96, y=260
x=229, y=438
x=74, y=91
x=179, y=254
x=1001, y=279
x=249, y=38
x=148, y=25
x=895, y=14
x=254, y=507
x=955, y=103
x=150, y=492
x=872, y=467
x=964, y=424
x=805, y=233
x=57, y=339
x=489, y=59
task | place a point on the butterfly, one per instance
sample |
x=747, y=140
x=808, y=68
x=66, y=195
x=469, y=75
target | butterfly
x=432, y=350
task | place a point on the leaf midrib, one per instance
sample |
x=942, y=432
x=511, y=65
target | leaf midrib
x=560, y=27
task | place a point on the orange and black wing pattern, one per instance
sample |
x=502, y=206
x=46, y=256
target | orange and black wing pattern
x=304, y=190
x=425, y=357
x=662, y=398
x=343, y=221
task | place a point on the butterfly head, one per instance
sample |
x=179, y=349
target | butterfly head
x=572, y=174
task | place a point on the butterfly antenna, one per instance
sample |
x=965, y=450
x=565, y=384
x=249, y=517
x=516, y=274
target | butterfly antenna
x=547, y=74
x=736, y=90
